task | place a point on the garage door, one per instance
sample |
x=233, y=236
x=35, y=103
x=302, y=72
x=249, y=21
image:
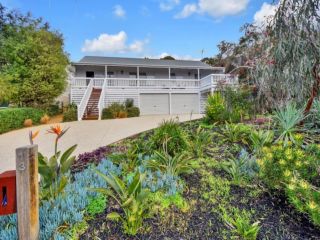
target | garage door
x=151, y=104
x=184, y=103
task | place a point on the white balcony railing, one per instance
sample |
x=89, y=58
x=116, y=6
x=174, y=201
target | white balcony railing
x=211, y=81
x=134, y=83
x=83, y=104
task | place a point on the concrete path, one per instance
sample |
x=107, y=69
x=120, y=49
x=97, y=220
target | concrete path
x=89, y=135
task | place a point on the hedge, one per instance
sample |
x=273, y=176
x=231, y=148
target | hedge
x=13, y=118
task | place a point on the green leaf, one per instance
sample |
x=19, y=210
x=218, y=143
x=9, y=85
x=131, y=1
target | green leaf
x=114, y=216
x=65, y=156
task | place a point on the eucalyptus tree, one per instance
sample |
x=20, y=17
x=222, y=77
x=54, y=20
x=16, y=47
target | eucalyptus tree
x=289, y=66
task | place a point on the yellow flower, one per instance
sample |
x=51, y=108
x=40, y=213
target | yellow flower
x=282, y=162
x=266, y=149
x=287, y=173
x=300, y=153
x=269, y=155
x=304, y=185
x=289, y=143
x=312, y=205
x=298, y=164
x=291, y=187
x=298, y=137
x=260, y=162
x=288, y=153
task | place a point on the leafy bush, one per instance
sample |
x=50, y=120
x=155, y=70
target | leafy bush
x=129, y=103
x=169, y=137
x=96, y=205
x=238, y=103
x=54, y=109
x=287, y=122
x=242, y=168
x=68, y=207
x=71, y=114
x=174, y=166
x=236, y=133
x=53, y=170
x=240, y=223
x=293, y=169
x=215, y=108
x=260, y=139
x=113, y=111
x=199, y=141
x=13, y=118
x=132, y=200
x=133, y=112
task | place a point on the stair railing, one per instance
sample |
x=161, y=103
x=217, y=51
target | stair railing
x=84, y=101
x=101, y=99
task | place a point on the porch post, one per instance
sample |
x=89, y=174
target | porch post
x=199, y=94
x=138, y=76
x=105, y=71
x=169, y=73
x=198, y=74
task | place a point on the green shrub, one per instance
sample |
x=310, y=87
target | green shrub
x=238, y=103
x=295, y=170
x=113, y=111
x=97, y=204
x=54, y=109
x=13, y=118
x=240, y=223
x=169, y=137
x=71, y=114
x=215, y=109
x=129, y=103
x=133, y=112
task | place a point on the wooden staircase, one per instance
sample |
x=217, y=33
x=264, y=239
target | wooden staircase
x=92, y=110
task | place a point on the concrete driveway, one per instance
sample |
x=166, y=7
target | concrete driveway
x=89, y=135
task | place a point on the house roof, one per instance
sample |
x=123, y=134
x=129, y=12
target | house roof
x=117, y=61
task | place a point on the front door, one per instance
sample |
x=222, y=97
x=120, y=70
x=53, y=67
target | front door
x=89, y=75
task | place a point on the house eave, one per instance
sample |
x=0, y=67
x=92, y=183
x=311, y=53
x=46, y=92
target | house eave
x=147, y=66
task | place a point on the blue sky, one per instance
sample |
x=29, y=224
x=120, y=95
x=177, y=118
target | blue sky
x=138, y=28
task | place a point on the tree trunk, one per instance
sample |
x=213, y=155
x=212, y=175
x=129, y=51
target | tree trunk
x=315, y=88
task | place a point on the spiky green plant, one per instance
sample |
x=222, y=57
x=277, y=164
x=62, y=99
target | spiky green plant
x=287, y=121
x=174, y=166
x=131, y=198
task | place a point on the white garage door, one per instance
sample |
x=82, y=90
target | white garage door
x=184, y=103
x=151, y=104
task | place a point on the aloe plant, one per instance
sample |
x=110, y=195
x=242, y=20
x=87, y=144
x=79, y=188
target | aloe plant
x=132, y=199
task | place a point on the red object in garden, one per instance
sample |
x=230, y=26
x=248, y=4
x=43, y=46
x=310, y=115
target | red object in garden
x=8, y=193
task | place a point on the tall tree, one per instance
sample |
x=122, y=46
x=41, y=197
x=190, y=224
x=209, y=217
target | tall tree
x=32, y=60
x=290, y=66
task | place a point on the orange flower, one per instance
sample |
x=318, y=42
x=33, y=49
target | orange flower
x=32, y=136
x=35, y=134
x=55, y=130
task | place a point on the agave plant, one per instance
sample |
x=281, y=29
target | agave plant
x=131, y=198
x=174, y=166
x=288, y=122
x=241, y=168
x=259, y=139
x=199, y=141
x=235, y=133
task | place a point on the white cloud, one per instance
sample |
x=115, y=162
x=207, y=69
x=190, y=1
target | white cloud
x=168, y=5
x=119, y=12
x=113, y=43
x=187, y=10
x=266, y=12
x=214, y=8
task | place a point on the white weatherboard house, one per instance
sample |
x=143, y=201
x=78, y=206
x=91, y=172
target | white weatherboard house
x=156, y=86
